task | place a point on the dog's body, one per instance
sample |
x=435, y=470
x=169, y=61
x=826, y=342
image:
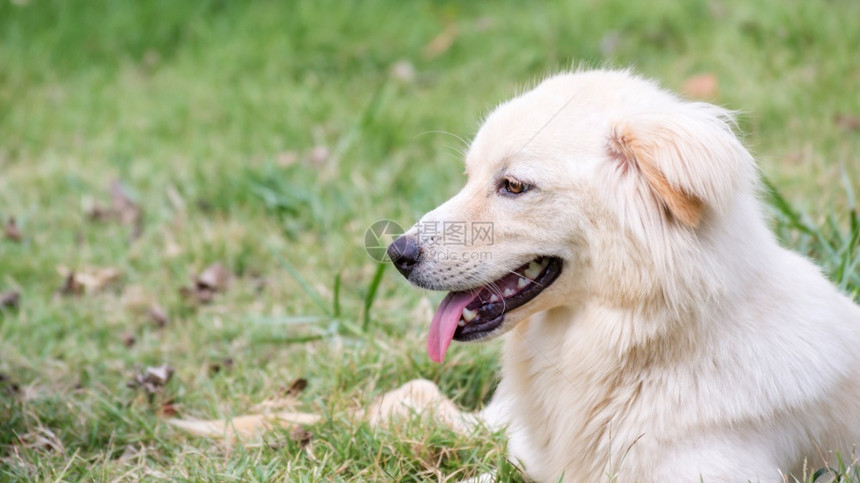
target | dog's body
x=655, y=329
x=679, y=340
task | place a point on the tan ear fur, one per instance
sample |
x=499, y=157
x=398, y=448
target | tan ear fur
x=642, y=156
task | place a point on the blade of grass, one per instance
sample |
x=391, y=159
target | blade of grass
x=308, y=289
x=336, y=296
x=371, y=293
x=797, y=220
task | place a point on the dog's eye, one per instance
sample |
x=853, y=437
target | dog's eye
x=513, y=186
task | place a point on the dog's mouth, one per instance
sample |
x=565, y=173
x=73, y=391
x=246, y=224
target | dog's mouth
x=477, y=313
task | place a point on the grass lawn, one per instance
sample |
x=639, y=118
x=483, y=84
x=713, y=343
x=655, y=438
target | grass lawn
x=267, y=137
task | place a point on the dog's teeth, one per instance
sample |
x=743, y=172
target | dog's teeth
x=534, y=270
x=508, y=292
x=461, y=323
x=522, y=282
x=494, y=298
x=469, y=315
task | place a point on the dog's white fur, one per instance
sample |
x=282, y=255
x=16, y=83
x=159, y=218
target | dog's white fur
x=680, y=341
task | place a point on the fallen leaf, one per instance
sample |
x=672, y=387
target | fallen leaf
x=225, y=363
x=122, y=209
x=88, y=279
x=10, y=299
x=197, y=295
x=301, y=435
x=403, y=71
x=8, y=385
x=319, y=155
x=295, y=387
x=152, y=379
x=70, y=285
x=128, y=339
x=701, y=86
x=129, y=212
x=42, y=438
x=11, y=230
x=847, y=122
x=158, y=316
x=160, y=374
x=97, y=278
x=442, y=42
x=168, y=409
x=214, y=278
x=101, y=213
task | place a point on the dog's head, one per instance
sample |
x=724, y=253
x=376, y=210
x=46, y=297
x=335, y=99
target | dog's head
x=575, y=189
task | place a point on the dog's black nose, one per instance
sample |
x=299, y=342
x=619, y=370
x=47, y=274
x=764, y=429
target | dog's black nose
x=405, y=254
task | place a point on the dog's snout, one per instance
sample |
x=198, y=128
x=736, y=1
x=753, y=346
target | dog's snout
x=405, y=254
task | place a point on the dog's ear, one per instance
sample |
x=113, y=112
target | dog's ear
x=688, y=155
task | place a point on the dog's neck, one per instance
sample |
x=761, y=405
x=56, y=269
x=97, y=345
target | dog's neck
x=681, y=281
x=598, y=351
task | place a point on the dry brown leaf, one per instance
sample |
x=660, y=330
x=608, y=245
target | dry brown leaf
x=301, y=435
x=167, y=409
x=11, y=230
x=197, y=295
x=442, y=42
x=97, y=278
x=42, y=438
x=122, y=203
x=847, y=122
x=128, y=339
x=295, y=387
x=8, y=385
x=88, y=279
x=100, y=213
x=10, y=299
x=70, y=285
x=158, y=316
x=214, y=278
x=152, y=379
x=225, y=363
x=129, y=212
x=122, y=209
x=703, y=86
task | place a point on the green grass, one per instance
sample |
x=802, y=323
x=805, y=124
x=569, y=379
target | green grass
x=210, y=112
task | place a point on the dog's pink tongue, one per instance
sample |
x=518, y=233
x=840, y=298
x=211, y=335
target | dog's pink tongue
x=445, y=323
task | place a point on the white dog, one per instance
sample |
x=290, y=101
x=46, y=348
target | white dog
x=655, y=329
